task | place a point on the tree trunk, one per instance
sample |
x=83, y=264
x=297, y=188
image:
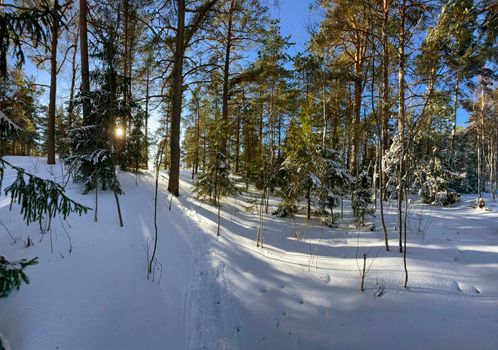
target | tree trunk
x=401, y=119
x=430, y=142
x=324, y=113
x=237, y=146
x=85, y=76
x=453, y=130
x=126, y=90
x=480, y=141
x=375, y=178
x=226, y=78
x=404, y=240
x=181, y=43
x=70, y=108
x=53, y=91
x=385, y=98
x=176, y=102
x=356, y=128
x=381, y=195
x=96, y=210
x=147, y=119
x=195, y=165
x=271, y=125
x=308, y=197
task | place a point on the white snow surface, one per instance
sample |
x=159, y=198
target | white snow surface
x=301, y=291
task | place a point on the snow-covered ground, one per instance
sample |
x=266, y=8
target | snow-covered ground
x=301, y=291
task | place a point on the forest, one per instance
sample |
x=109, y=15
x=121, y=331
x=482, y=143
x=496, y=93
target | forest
x=221, y=148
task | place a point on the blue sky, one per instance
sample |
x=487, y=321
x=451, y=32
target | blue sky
x=295, y=17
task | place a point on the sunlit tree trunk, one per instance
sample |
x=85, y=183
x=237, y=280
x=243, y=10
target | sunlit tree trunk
x=401, y=119
x=53, y=91
x=70, y=108
x=226, y=78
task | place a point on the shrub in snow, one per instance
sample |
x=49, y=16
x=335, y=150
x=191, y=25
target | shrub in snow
x=362, y=196
x=313, y=171
x=39, y=199
x=446, y=198
x=12, y=274
x=285, y=209
x=214, y=181
x=329, y=220
x=335, y=178
x=91, y=159
x=435, y=189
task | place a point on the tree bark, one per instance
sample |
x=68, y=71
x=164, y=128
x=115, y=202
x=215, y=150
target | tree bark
x=226, y=78
x=385, y=90
x=53, y=91
x=126, y=89
x=401, y=119
x=237, y=146
x=70, y=108
x=480, y=141
x=182, y=40
x=147, y=97
x=455, y=109
x=85, y=75
x=356, y=126
x=176, y=102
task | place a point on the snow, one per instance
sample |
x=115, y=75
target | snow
x=98, y=297
x=301, y=291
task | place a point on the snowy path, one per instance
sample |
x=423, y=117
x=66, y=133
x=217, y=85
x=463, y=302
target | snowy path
x=97, y=296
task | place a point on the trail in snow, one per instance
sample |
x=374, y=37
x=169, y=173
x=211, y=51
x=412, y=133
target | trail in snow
x=210, y=317
x=97, y=296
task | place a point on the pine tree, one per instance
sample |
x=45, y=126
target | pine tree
x=300, y=175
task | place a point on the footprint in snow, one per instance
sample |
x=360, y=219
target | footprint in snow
x=326, y=278
x=457, y=286
x=263, y=289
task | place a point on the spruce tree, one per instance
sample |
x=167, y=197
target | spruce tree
x=362, y=196
x=40, y=201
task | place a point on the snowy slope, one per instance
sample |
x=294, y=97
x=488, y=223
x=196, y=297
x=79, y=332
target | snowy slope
x=284, y=297
x=98, y=296
x=301, y=291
